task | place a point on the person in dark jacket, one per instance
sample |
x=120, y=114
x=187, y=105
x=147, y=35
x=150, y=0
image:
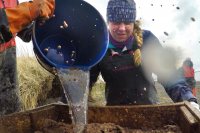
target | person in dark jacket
x=14, y=20
x=127, y=82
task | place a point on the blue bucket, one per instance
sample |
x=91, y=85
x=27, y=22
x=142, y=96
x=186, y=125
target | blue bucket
x=81, y=43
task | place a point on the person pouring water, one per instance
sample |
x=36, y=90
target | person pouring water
x=122, y=68
x=14, y=20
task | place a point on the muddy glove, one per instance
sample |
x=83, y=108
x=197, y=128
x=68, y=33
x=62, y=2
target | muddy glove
x=195, y=105
x=23, y=14
x=26, y=33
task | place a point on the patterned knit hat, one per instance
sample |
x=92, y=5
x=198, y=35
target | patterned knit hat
x=121, y=11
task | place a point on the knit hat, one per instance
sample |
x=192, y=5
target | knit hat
x=121, y=11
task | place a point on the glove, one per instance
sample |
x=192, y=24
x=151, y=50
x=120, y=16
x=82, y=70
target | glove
x=26, y=33
x=42, y=9
x=195, y=105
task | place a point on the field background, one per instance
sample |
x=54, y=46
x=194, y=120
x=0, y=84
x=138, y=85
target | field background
x=39, y=87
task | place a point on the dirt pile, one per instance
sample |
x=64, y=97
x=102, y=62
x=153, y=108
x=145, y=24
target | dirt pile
x=50, y=126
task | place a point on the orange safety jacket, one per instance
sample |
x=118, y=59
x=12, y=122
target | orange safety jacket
x=8, y=4
x=188, y=72
x=18, y=17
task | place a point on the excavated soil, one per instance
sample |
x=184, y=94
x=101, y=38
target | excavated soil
x=51, y=126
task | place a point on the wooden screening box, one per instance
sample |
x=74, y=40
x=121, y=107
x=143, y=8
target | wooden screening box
x=134, y=117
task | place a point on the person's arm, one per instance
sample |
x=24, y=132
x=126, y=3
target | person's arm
x=161, y=61
x=178, y=90
x=23, y=14
x=173, y=79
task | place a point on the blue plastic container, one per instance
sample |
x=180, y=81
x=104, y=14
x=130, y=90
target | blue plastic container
x=81, y=44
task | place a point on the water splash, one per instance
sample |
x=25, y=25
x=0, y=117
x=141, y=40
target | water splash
x=75, y=83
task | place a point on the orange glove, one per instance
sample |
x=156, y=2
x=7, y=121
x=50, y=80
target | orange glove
x=22, y=15
x=42, y=8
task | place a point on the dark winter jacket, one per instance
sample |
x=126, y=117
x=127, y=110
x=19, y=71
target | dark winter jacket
x=127, y=84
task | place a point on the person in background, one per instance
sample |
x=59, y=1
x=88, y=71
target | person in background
x=126, y=81
x=187, y=71
x=14, y=20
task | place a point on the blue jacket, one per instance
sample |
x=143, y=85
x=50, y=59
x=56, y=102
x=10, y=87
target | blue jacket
x=127, y=84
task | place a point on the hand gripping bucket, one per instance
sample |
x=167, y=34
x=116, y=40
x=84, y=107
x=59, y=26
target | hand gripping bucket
x=76, y=37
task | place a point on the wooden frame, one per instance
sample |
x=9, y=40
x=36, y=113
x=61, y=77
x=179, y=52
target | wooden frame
x=147, y=116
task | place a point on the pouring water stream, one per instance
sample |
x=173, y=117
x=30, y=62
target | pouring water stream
x=75, y=83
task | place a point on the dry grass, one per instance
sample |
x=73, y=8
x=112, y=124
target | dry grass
x=98, y=95
x=31, y=79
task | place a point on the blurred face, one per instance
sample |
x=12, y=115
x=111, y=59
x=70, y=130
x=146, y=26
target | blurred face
x=120, y=31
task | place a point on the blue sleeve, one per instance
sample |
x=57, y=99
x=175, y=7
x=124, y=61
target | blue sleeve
x=150, y=39
x=177, y=88
x=180, y=91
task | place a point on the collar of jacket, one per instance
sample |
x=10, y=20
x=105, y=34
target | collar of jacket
x=129, y=46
